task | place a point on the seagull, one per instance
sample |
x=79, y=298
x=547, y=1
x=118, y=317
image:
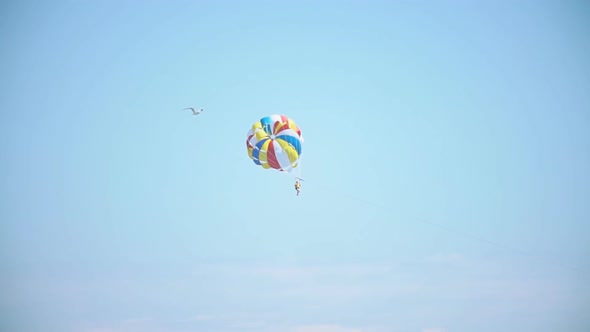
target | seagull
x=194, y=112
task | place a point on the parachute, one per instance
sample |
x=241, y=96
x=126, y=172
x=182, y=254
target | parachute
x=275, y=142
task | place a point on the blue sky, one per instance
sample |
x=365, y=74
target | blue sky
x=445, y=164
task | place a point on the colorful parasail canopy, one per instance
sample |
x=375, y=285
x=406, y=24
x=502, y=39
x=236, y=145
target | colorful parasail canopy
x=275, y=142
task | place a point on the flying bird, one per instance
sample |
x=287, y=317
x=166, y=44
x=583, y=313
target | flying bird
x=194, y=112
